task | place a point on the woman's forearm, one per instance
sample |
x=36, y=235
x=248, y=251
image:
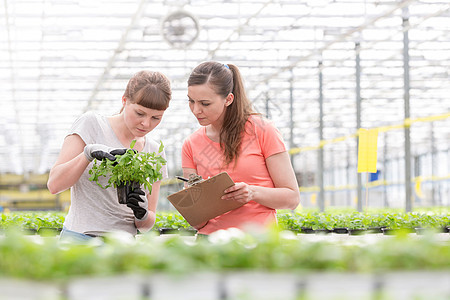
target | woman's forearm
x=65, y=175
x=148, y=223
x=276, y=198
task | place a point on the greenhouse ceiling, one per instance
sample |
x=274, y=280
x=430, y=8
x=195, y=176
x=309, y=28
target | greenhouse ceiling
x=60, y=58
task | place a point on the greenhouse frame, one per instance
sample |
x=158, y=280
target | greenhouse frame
x=340, y=79
x=320, y=70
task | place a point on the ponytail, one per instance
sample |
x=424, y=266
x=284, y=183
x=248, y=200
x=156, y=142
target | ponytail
x=236, y=117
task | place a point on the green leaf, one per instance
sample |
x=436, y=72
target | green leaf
x=141, y=167
x=133, y=142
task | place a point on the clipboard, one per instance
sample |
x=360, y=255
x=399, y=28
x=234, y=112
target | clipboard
x=202, y=202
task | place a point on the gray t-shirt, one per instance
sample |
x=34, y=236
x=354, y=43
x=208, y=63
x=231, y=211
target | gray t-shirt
x=94, y=210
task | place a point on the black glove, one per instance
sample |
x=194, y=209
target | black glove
x=101, y=152
x=135, y=197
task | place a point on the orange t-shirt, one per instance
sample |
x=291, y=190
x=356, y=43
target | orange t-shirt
x=261, y=140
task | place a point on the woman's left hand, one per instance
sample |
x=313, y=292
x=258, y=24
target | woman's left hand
x=240, y=192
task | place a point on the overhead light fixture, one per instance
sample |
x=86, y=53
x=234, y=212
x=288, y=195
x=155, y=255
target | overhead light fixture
x=180, y=29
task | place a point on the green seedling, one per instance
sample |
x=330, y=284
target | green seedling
x=133, y=166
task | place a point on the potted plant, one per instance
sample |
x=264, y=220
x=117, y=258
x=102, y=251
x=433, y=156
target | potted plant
x=129, y=171
x=340, y=223
x=308, y=223
x=357, y=225
x=375, y=222
x=288, y=221
x=324, y=224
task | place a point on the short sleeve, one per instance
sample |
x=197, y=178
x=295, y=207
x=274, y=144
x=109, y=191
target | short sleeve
x=269, y=136
x=85, y=126
x=187, y=157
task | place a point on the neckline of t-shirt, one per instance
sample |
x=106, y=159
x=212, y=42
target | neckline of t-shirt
x=106, y=119
x=207, y=137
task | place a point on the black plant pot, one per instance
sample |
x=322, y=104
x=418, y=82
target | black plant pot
x=307, y=230
x=357, y=231
x=390, y=231
x=28, y=231
x=124, y=189
x=168, y=231
x=294, y=230
x=340, y=230
x=375, y=230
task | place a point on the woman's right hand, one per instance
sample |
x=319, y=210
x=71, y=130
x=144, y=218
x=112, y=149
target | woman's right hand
x=101, y=152
x=73, y=159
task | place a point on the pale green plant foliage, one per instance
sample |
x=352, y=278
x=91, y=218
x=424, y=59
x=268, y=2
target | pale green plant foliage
x=288, y=221
x=224, y=250
x=32, y=220
x=170, y=220
x=357, y=220
x=142, y=167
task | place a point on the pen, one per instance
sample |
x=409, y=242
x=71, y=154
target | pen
x=182, y=178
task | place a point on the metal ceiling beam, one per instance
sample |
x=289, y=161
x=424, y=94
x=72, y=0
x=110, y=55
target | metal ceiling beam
x=61, y=76
x=406, y=98
x=117, y=51
x=211, y=53
x=337, y=40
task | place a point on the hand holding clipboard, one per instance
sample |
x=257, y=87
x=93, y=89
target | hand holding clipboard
x=202, y=201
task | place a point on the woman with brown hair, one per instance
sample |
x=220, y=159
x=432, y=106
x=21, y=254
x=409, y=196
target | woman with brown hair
x=95, y=211
x=236, y=140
